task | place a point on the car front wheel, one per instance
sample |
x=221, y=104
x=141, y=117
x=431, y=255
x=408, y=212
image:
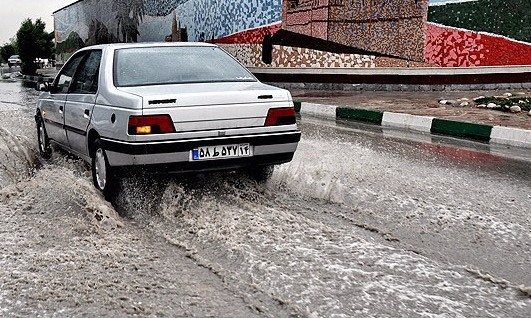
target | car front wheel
x=102, y=174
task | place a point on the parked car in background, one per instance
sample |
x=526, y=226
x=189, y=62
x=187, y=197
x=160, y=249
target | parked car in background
x=14, y=60
x=42, y=63
x=165, y=108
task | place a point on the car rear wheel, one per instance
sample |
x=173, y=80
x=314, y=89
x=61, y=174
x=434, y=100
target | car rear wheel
x=45, y=149
x=102, y=174
x=261, y=173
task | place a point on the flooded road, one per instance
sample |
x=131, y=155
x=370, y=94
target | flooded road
x=359, y=224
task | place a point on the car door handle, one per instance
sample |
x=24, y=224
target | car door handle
x=61, y=109
x=87, y=113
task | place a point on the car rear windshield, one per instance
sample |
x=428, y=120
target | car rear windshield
x=175, y=65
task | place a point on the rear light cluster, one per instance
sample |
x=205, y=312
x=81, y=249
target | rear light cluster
x=280, y=116
x=153, y=124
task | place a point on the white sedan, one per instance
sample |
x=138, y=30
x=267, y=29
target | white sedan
x=165, y=108
x=14, y=60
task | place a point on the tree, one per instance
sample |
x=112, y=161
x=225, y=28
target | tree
x=33, y=42
x=7, y=50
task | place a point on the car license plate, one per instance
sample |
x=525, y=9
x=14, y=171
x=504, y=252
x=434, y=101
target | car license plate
x=221, y=152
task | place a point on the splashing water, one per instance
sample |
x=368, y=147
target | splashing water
x=18, y=158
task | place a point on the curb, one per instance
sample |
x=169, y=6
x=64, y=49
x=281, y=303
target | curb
x=385, y=87
x=37, y=78
x=479, y=132
x=398, y=78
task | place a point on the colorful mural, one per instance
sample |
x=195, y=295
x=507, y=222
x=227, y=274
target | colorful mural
x=479, y=33
x=393, y=27
x=451, y=47
x=292, y=33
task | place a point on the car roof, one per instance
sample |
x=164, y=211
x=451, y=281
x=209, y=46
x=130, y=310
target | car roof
x=117, y=46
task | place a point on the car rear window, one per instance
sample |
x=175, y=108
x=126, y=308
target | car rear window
x=175, y=65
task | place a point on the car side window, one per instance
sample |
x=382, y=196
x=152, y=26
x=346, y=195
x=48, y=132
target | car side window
x=64, y=79
x=86, y=79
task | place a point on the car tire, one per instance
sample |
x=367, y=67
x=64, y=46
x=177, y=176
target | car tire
x=45, y=149
x=261, y=173
x=103, y=176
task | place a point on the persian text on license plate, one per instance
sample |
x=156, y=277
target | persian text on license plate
x=222, y=152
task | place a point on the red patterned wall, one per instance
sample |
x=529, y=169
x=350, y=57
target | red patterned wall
x=254, y=36
x=445, y=46
x=451, y=47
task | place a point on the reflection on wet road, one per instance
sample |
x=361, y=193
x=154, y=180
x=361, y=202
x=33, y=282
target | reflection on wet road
x=362, y=223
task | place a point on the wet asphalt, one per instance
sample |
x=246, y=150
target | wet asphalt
x=364, y=222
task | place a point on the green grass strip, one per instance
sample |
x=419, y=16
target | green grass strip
x=461, y=129
x=370, y=116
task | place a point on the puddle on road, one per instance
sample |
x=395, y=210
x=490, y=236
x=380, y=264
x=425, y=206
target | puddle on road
x=263, y=236
x=259, y=238
x=282, y=239
x=9, y=107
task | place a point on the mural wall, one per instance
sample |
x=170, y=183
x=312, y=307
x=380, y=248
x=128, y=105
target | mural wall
x=307, y=33
x=393, y=27
x=451, y=47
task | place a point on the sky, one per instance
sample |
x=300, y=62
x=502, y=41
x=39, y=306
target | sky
x=13, y=12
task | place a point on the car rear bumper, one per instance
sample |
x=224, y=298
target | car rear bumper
x=207, y=166
x=174, y=156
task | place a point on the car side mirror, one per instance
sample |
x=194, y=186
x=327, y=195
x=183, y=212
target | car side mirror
x=43, y=87
x=46, y=87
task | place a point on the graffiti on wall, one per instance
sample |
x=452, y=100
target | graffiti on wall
x=293, y=33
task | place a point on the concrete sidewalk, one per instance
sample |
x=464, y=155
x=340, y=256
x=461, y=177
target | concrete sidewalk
x=421, y=111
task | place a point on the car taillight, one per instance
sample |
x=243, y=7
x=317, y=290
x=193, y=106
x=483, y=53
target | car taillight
x=280, y=116
x=153, y=124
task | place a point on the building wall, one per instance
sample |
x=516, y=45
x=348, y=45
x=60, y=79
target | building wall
x=151, y=20
x=335, y=33
x=452, y=47
x=285, y=56
x=479, y=33
x=392, y=27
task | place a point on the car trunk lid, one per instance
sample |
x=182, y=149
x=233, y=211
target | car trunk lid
x=212, y=106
